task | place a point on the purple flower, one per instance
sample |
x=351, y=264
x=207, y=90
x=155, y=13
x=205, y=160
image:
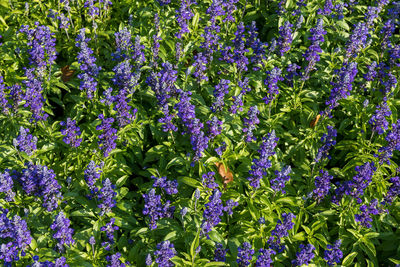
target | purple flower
x=342, y=88
x=311, y=55
x=15, y=237
x=260, y=165
x=281, y=230
x=92, y=240
x=394, y=189
x=88, y=65
x=256, y=45
x=40, y=181
x=239, y=57
x=3, y=100
x=170, y=187
x=305, y=255
x=361, y=180
x=6, y=185
x=264, y=258
x=114, y=260
x=245, y=254
x=33, y=95
x=357, y=40
x=220, y=150
x=63, y=232
x=149, y=260
x=212, y=212
x=42, y=51
x=25, y=142
x=165, y=251
x=155, y=209
x=333, y=254
x=107, y=197
x=328, y=141
x=92, y=174
x=271, y=82
x=163, y=2
x=109, y=229
x=123, y=43
x=220, y=253
x=221, y=89
x=71, y=133
x=282, y=177
x=183, y=15
x=64, y=21
x=322, y=185
x=378, y=121
x=200, y=66
x=250, y=123
x=108, y=136
x=229, y=206
x=366, y=211
x=371, y=72
x=209, y=180
x=214, y=127
x=285, y=37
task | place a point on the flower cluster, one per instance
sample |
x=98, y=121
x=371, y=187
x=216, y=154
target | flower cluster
x=63, y=232
x=378, y=120
x=212, y=212
x=71, y=132
x=221, y=89
x=260, y=165
x=92, y=174
x=394, y=189
x=333, y=254
x=15, y=237
x=6, y=185
x=108, y=136
x=281, y=230
x=393, y=140
x=245, y=254
x=40, y=181
x=183, y=15
x=109, y=229
x=209, y=180
x=305, y=255
x=361, y=180
x=229, y=204
x=328, y=141
x=155, y=209
x=282, y=177
x=342, y=88
x=165, y=251
x=357, y=40
x=366, y=211
x=285, y=37
x=271, y=82
x=88, y=65
x=322, y=185
x=220, y=253
x=114, y=260
x=25, y=142
x=170, y=187
x=311, y=55
x=250, y=123
x=107, y=197
x=264, y=258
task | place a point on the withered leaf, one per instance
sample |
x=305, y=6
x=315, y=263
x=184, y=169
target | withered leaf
x=226, y=174
x=66, y=73
x=315, y=121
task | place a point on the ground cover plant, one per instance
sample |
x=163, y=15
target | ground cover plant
x=199, y=133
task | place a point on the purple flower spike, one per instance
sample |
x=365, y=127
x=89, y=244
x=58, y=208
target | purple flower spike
x=25, y=142
x=71, y=132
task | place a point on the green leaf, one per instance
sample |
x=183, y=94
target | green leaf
x=349, y=258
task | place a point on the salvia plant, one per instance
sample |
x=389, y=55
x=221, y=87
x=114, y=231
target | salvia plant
x=199, y=133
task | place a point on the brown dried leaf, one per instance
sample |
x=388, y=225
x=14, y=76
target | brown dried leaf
x=66, y=73
x=226, y=174
x=315, y=121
